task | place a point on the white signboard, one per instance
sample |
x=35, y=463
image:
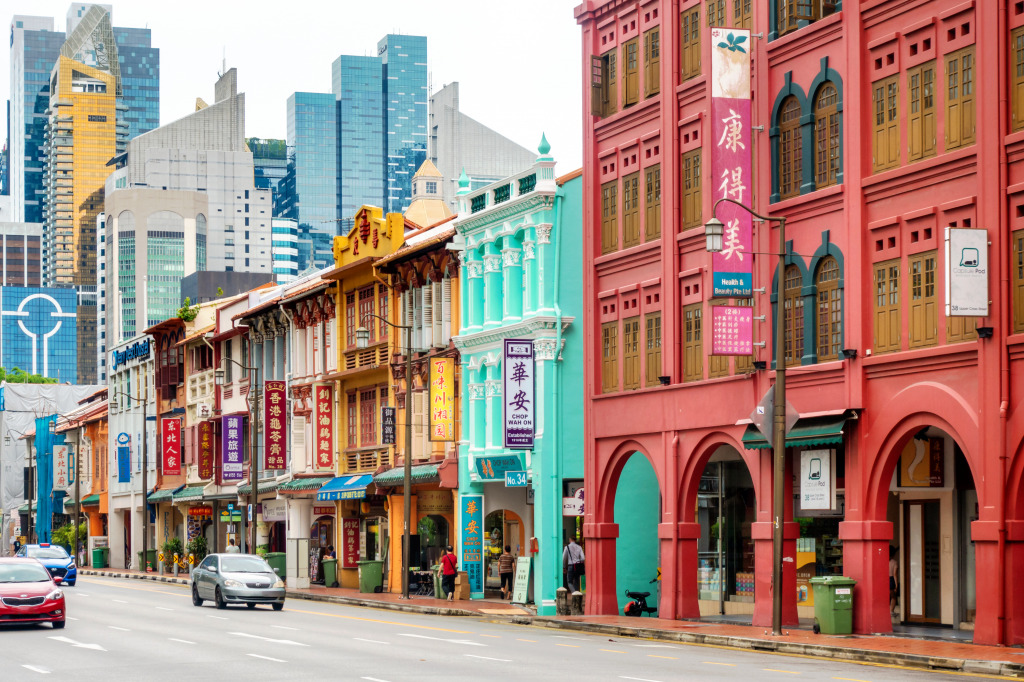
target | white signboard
x=63, y=461
x=817, y=479
x=274, y=510
x=517, y=369
x=966, y=272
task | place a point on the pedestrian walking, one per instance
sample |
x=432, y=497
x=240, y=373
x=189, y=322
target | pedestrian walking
x=449, y=569
x=16, y=543
x=894, y=583
x=506, y=569
x=232, y=548
x=573, y=562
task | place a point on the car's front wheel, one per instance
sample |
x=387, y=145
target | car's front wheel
x=250, y=605
x=59, y=624
x=196, y=599
x=278, y=607
x=218, y=598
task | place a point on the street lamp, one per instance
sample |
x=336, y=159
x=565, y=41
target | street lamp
x=713, y=233
x=362, y=341
x=254, y=411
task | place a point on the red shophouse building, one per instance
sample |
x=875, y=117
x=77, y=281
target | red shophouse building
x=867, y=144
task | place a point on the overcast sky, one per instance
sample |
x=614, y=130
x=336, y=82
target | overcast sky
x=517, y=64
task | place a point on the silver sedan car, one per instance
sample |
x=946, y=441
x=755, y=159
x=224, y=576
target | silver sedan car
x=237, y=579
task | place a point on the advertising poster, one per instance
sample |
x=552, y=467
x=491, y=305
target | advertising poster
x=349, y=543
x=232, y=467
x=124, y=458
x=472, y=546
x=732, y=330
x=170, y=441
x=442, y=399
x=275, y=422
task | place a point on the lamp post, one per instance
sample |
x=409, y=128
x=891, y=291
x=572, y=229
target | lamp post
x=362, y=341
x=254, y=411
x=713, y=230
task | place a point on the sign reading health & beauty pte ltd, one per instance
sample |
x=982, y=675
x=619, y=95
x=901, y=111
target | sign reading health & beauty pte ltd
x=275, y=423
x=518, y=367
x=472, y=512
x=63, y=467
x=731, y=165
x=124, y=458
x=732, y=330
x=966, y=272
x=232, y=466
x=170, y=439
x=323, y=427
x=442, y=399
x=205, y=449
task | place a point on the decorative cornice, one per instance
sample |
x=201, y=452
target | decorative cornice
x=492, y=262
x=476, y=268
x=544, y=233
x=493, y=388
x=534, y=327
x=506, y=211
x=476, y=391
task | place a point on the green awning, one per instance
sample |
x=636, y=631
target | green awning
x=808, y=431
x=192, y=493
x=395, y=478
x=262, y=487
x=299, y=484
x=163, y=495
x=91, y=499
x=23, y=509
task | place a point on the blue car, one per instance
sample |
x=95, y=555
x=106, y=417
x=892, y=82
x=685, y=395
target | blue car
x=56, y=560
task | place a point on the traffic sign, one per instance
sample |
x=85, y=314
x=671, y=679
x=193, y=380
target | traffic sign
x=515, y=479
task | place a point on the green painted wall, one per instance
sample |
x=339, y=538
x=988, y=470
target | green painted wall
x=637, y=512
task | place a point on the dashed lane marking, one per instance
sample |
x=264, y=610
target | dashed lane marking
x=531, y=641
x=612, y=651
x=383, y=622
x=114, y=627
x=671, y=658
x=491, y=636
x=442, y=639
x=218, y=617
x=573, y=646
x=488, y=658
x=849, y=679
x=371, y=641
x=267, y=658
x=639, y=679
x=373, y=679
x=731, y=665
x=284, y=627
x=289, y=642
x=36, y=669
x=775, y=670
x=180, y=641
x=163, y=608
x=119, y=601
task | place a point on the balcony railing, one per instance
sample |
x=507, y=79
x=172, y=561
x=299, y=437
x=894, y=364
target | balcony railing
x=374, y=356
x=366, y=461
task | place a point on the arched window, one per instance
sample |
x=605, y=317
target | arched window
x=826, y=136
x=790, y=149
x=830, y=312
x=794, y=315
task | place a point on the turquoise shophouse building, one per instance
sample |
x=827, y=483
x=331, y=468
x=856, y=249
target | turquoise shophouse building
x=522, y=262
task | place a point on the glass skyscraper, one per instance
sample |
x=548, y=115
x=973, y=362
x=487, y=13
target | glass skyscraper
x=140, y=79
x=358, y=87
x=404, y=62
x=311, y=182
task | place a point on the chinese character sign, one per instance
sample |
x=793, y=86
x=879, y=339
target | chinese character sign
x=275, y=423
x=442, y=399
x=731, y=165
x=124, y=458
x=63, y=460
x=206, y=449
x=472, y=540
x=232, y=464
x=323, y=427
x=732, y=330
x=517, y=368
x=170, y=438
x=387, y=425
x=349, y=543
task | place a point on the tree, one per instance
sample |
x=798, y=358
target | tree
x=187, y=311
x=20, y=376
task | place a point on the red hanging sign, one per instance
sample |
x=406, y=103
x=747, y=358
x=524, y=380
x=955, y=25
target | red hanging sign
x=205, y=450
x=323, y=428
x=275, y=422
x=170, y=429
x=349, y=543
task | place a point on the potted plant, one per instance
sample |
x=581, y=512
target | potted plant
x=170, y=548
x=198, y=548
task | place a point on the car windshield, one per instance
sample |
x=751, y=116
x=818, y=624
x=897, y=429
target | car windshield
x=23, y=573
x=46, y=552
x=244, y=564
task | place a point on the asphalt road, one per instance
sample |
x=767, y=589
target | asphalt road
x=120, y=630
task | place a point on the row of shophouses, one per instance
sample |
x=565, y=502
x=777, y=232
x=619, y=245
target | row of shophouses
x=280, y=370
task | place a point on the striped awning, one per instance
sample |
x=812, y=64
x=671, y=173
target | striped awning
x=813, y=431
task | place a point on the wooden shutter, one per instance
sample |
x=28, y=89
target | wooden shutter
x=1017, y=78
x=611, y=92
x=597, y=85
x=1017, y=274
x=691, y=179
x=446, y=310
x=652, y=61
x=630, y=73
x=652, y=354
x=960, y=125
x=610, y=357
x=609, y=217
x=887, y=306
x=652, y=203
x=631, y=353
x=921, y=112
x=923, y=313
x=691, y=43
x=427, y=331
x=631, y=210
x=829, y=314
x=885, y=141
x=693, y=350
x=437, y=298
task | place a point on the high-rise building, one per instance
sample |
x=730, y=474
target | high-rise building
x=270, y=164
x=357, y=86
x=459, y=143
x=285, y=250
x=404, y=76
x=309, y=190
x=20, y=249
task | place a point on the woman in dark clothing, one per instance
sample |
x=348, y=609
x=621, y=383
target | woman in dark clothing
x=506, y=569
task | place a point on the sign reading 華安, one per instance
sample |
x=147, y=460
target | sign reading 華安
x=517, y=368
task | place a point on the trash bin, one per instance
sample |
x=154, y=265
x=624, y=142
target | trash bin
x=833, y=604
x=278, y=562
x=370, y=573
x=99, y=557
x=151, y=555
x=330, y=572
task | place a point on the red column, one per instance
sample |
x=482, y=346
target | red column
x=762, y=534
x=601, y=599
x=866, y=560
x=685, y=571
x=1014, y=629
x=988, y=621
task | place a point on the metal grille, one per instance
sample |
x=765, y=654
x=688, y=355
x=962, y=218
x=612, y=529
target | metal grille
x=15, y=601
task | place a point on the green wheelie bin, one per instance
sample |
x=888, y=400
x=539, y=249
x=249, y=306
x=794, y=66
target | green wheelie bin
x=330, y=572
x=99, y=557
x=370, y=576
x=833, y=604
x=278, y=561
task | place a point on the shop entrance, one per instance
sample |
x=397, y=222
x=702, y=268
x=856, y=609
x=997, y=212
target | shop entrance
x=923, y=584
x=503, y=527
x=433, y=535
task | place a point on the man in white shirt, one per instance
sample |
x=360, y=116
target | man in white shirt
x=232, y=549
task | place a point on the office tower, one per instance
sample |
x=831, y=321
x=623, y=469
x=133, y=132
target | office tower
x=404, y=63
x=357, y=86
x=285, y=249
x=20, y=248
x=310, y=192
x=270, y=164
x=459, y=143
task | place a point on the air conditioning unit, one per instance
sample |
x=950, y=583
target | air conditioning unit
x=204, y=410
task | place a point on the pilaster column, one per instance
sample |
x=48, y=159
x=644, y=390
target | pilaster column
x=493, y=288
x=475, y=304
x=545, y=268
x=495, y=440
x=530, y=267
x=512, y=271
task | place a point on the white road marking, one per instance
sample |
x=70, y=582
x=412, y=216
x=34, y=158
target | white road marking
x=371, y=641
x=119, y=601
x=639, y=679
x=488, y=658
x=267, y=658
x=284, y=627
x=114, y=627
x=37, y=669
x=582, y=639
x=373, y=679
x=442, y=639
x=268, y=639
x=81, y=594
x=219, y=617
x=69, y=618
x=163, y=608
x=182, y=641
x=72, y=642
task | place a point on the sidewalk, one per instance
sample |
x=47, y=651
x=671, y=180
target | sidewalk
x=928, y=654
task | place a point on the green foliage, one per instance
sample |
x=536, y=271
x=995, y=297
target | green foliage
x=220, y=292
x=187, y=311
x=197, y=546
x=262, y=550
x=65, y=536
x=171, y=547
x=20, y=376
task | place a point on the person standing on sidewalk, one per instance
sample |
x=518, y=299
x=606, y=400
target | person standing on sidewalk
x=894, y=582
x=506, y=569
x=232, y=548
x=449, y=569
x=573, y=560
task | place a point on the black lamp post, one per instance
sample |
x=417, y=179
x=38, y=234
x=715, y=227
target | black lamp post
x=713, y=231
x=362, y=341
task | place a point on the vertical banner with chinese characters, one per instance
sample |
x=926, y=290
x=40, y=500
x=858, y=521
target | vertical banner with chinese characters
x=472, y=540
x=170, y=440
x=205, y=449
x=387, y=425
x=442, y=399
x=732, y=268
x=349, y=543
x=732, y=330
x=275, y=422
x=62, y=463
x=323, y=427
x=232, y=464
x=517, y=368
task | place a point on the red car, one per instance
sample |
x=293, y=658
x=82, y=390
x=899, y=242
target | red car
x=28, y=594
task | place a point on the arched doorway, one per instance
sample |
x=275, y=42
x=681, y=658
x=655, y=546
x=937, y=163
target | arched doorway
x=434, y=537
x=637, y=514
x=503, y=527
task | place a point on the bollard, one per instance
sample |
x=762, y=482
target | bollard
x=562, y=601
x=576, y=604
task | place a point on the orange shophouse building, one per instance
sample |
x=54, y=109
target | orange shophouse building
x=864, y=136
